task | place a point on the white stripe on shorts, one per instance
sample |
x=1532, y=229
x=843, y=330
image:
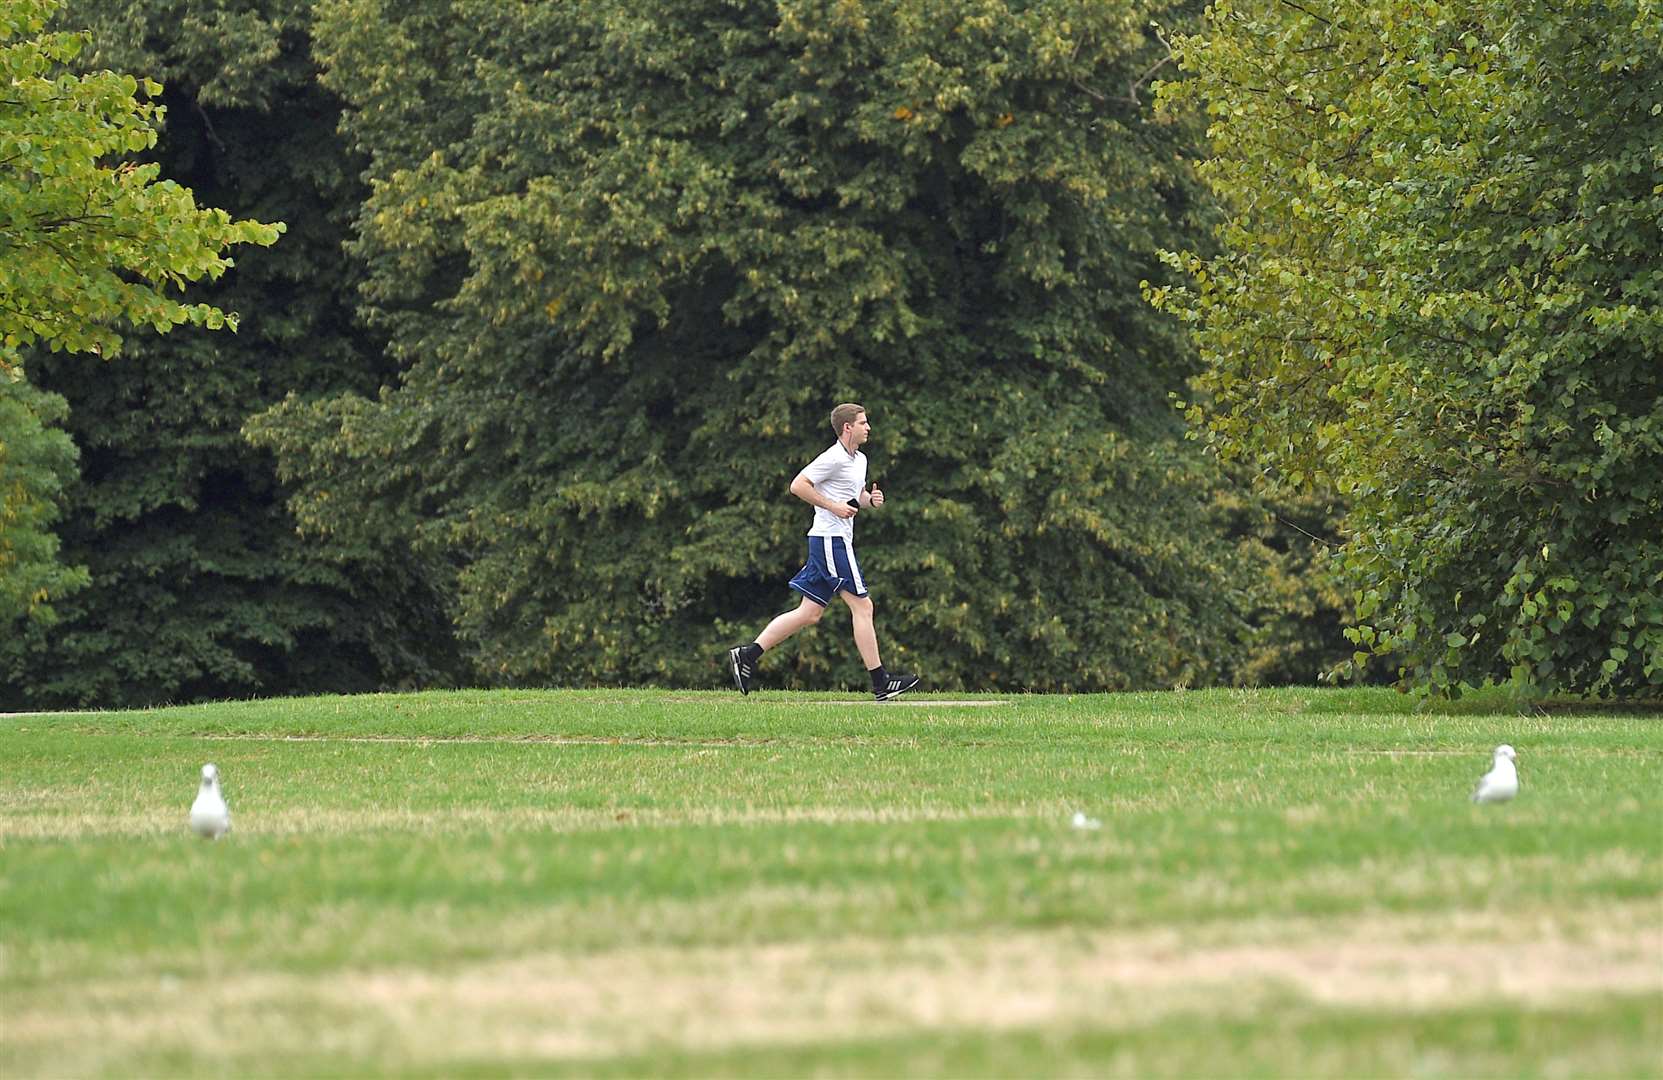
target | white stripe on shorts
x=831, y=561
x=854, y=567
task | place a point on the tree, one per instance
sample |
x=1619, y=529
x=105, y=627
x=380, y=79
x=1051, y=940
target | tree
x=88, y=241
x=88, y=238
x=1440, y=291
x=628, y=255
x=201, y=586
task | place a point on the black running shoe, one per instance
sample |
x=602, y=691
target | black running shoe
x=894, y=686
x=744, y=670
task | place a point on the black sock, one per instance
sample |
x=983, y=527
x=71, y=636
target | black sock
x=879, y=677
x=751, y=652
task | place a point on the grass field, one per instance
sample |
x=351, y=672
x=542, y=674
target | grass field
x=652, y=883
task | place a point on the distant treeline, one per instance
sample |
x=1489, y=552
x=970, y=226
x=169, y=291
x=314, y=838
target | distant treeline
x=567, y=291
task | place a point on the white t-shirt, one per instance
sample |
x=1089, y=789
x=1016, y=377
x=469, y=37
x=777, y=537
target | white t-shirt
x=840, y=475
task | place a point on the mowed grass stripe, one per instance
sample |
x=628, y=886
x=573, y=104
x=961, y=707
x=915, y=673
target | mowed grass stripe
x=448, y=842
x=46, y=824
x=741, y=740
x=1228, y=715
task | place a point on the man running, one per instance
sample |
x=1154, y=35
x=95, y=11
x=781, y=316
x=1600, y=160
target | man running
x=835, y=485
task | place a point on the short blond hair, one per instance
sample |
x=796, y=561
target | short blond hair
x=843, y=415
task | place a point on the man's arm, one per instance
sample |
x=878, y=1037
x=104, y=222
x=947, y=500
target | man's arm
x=804, y=489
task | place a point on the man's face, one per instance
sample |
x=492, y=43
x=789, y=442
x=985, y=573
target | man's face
x=859, y=431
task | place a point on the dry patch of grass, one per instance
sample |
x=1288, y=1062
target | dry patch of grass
x=591, y=1006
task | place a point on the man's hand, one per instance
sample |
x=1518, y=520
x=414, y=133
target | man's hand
x=876, y=498
x=842, y=510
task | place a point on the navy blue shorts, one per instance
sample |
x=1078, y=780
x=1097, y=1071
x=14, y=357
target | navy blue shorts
x=831, y=569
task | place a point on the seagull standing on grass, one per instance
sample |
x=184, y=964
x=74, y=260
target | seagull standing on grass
x=1502, y=781
x=210, y=817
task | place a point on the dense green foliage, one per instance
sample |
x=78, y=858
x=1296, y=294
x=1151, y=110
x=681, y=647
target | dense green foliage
x=610, y=264
x=88, y=240
x=1302, y=610
x=628, y=256
x=1440, y=291
x=200, y=585
x=36, y=461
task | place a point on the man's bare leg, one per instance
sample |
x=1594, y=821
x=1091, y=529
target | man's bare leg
x=787, y=623
x=884, y=684
x=866, y=635
x=742, y=659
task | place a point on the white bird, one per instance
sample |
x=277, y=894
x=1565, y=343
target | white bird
x=210, y=817
x=1083, y=822
x=1502, y=781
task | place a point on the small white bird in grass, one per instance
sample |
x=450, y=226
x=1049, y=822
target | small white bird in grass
x=1083, y=822
x=1502, y=781
x=210, y=817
